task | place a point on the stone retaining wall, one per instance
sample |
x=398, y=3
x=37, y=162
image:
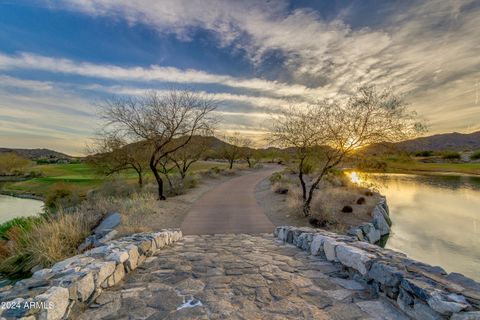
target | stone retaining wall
x=71, y=284
x=378, y=227
x=420, y=290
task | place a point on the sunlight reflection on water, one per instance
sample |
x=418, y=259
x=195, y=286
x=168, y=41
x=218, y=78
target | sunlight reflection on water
x=436, y=218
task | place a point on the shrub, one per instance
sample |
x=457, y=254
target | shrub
x=24, y=223
x=294, y=198
x=424, y=153
x=61, y=195
x=475, y=155
x=276, y=177
x=45, y=243
x=451, y=156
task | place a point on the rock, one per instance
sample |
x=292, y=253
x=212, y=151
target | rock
x=349, y=284
x=371, y=234
x=102, y=271
x=108, y=224
x=316, y=247
x=353, y=257
x=379, y=221
x=472, y=315
x=329, y=245
x=356, y=232
x=43, y=274
x=118, y=256
x=85, y=287
x=56, y=302
x=347, y=209
x=385, y=274
x=442, y=305
x=132, y=262
x=381, y=310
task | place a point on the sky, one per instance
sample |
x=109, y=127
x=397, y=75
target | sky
x=60, y=59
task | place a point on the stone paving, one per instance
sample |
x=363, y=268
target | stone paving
x=238, y=276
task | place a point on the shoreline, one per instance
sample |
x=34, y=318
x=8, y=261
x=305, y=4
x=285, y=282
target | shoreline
x=418, y=172
x=22, y=195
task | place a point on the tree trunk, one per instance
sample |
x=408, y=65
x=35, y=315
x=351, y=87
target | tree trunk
x=302, y=182
x=140, y=179
x=231, y=163
x=249, y=163
x=159, y=181
x=306, y=208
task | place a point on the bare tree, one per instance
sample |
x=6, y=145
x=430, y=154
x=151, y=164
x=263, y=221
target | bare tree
x=191, y=153
x=111, y=154
x=330, y=130
x=250, y=154
x=159, y=120
x=232, y=149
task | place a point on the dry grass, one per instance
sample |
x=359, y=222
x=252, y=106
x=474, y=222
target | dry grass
x=327, y=206
x=55, y=239
x=294, y=198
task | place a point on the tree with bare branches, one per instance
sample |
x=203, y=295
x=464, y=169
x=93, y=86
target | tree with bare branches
x=231, y=150
x=160, y=120
x=183, y=158
x=330, y=130
x=110, y=154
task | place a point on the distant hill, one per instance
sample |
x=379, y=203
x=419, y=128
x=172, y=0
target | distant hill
x=443, y=142
x=37, y=154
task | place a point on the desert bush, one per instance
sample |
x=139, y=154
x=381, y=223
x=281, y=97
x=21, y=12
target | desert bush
x=276, y=177
x=451, y=156
x=323, y=213
x=424, y=153
x=116, y=188
x=475, y=155
x=61, y=195
x=294, y=198
x=332, y=201
x=24, y=223
x=11, y=163
x=45, y=243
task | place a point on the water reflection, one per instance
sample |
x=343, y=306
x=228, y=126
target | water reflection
x=11, y=207
x=435, y=218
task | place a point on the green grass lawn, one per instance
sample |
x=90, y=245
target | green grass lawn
x=82, y=177
x=463, y=168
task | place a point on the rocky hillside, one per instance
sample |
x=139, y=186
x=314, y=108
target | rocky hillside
x=37, y=154
x=443, y=142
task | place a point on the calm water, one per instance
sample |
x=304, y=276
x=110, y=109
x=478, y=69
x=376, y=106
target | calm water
x=436, y=218
x=11, y=207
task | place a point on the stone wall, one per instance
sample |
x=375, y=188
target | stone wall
x=67, y=287
x=420, y=290
x=379, y=226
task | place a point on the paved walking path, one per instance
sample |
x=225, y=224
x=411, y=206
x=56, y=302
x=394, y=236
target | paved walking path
x=230, y=207
x=238, y=276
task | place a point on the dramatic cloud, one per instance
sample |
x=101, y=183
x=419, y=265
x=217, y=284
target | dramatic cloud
x=426, y=50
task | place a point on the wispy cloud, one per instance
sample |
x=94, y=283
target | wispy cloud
x=428, y=51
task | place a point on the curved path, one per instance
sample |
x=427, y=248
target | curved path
x=230, y=207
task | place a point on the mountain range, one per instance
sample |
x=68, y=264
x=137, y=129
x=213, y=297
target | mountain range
x=439, y=142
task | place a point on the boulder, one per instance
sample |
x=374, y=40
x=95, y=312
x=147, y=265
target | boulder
x=472, y=315
x=443, y=305
x=57, y=298
x=385, y=274
x=316, y=247
x=108, y=224
x=329, y=245
x=371, y=234
x=379, y=221
x=353, y=257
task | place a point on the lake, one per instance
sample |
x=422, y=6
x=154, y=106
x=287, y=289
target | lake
x=436, y=218
x=11, y=207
